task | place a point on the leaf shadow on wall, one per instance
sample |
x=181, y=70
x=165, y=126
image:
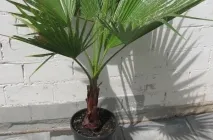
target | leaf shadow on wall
x=155, y=77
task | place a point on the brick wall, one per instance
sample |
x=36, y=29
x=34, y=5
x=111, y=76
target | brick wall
x=163, y=68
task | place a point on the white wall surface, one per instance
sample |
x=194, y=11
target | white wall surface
x=163, y=68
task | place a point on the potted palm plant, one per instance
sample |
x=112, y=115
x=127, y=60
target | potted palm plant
x=70, y=27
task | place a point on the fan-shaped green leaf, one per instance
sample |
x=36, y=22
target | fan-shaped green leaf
x=133, y=19
x=52, y=32
x=57, y=24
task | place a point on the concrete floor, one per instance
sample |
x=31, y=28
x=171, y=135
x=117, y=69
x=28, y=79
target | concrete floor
x=195, y=127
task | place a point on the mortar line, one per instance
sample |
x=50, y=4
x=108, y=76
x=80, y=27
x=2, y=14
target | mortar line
x=73, y=71
x=53, y=92
x=5, y=99
x=1, y=50
x=209, y=60
x=31, y=112
x=23, y=74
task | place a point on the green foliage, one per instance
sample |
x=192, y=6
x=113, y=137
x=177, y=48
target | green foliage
x=135, y=19
x=56, y=25
x=53, y=27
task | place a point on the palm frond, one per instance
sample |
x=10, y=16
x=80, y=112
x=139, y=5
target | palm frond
x=190, y=17
x=133, y=19
x=171, y=27
x=90, y=8
x=42, y=64
x=41, y=55
x=53, y=22
x=57, y=24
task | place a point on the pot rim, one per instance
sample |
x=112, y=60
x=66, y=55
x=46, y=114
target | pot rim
x=95, y=138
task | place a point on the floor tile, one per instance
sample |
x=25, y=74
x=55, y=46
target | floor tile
x=176, y=129
x=35, y=136
x=202, y=125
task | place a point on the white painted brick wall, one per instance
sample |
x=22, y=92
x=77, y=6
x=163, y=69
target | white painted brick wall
x=55, y=71
x=11, y=74
x=69, y=91
x=19, y=51
x=6, y=24
x=203, y=10
x=2, y=96
x=160, y=66
x=29, y=94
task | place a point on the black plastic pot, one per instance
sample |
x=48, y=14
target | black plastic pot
x=77, y=136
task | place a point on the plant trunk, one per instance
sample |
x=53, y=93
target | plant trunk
x=91, y=120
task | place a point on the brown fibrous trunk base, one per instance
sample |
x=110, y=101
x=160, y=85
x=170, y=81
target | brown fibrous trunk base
x=107, y=124
x=92, y=120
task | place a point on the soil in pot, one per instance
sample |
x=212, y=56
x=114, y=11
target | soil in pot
x=108, y=124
